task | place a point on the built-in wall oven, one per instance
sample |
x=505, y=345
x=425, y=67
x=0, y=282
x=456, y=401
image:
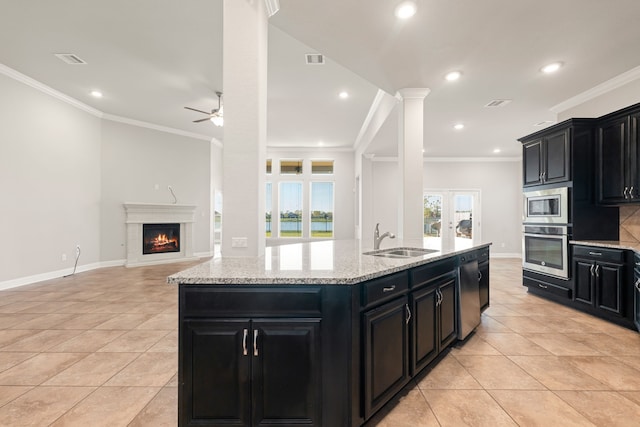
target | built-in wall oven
x=549, y=206
x=545, y=249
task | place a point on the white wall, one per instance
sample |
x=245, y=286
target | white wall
x=50, y=180
x=344, y=187
x=134, y=161
x=501, y=197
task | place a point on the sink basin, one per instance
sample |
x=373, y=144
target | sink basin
x=401, y=252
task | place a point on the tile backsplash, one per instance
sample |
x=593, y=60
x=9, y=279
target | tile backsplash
x=630, y=224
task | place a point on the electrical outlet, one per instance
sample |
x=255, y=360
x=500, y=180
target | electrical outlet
x=64, y=257
x=239, y=242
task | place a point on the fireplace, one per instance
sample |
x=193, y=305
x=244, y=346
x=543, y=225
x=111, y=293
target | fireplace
x=160, y=238
x=159, y=233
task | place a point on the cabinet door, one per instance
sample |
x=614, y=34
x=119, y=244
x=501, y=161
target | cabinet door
x=583, y=281
x=386, y=353
x=532, y=163
x=215, y=373
x=556, y=157
x=447, y=312
x=634, y=158
x=484, y=285
x=609, y=290
x=286, y=372
x=612, y=161
x=424, y=333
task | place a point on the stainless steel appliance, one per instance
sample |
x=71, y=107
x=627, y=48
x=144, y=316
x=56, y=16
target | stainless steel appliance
x=545, y=250
x=468, y=295
x=549, y=206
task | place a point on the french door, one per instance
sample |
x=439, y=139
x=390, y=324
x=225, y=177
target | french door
x=451, y=219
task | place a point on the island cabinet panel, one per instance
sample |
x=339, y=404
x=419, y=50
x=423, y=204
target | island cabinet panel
x=386, y=353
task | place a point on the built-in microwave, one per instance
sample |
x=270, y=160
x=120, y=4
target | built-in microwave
x=546, y=206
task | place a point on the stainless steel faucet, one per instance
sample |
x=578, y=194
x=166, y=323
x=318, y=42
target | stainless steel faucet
x=377, y=238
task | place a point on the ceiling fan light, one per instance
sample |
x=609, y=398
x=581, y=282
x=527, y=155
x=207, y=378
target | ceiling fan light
x=217, y=120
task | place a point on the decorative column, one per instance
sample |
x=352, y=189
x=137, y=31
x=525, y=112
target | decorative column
x=244, y=74
x=410, y=144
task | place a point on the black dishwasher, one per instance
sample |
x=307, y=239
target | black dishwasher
x=468, y=295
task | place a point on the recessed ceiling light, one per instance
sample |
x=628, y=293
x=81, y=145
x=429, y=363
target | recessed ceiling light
x=406, y=10
x=453, y=76
x=551, y=68
x=343, y=95
x=458, y=126
x=96, y=94
x=497, y=150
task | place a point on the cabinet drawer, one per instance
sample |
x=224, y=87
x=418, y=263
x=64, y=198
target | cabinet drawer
x=597, y=253
x=384, y=288
x=424, y=275
x=247, y=301
x=548, y=288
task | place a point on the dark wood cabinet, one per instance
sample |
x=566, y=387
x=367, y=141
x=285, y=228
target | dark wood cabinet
x=386, y=352
x=245, y=372
x=545, y=158
x=483, y=269
x=600, y=279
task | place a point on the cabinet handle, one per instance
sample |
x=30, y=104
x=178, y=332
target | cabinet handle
x=544, y=176
x=624, y=193
x=595, y=253
x=389, y=288
x=596, y=270
x=244, y=342
x=255, y=342
x=637, y=284
x=406, y=306
x=542, y=286
x=479, y=275
x=591, y=269
x=440, y=297
x=631, y=192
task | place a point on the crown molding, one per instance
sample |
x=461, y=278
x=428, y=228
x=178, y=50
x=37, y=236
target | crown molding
x=310, y=149
x=449, y=159
x=160, y=128
x=414, y=92
x=611, y=84
x=16, y=75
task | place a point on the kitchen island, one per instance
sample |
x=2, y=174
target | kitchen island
x=314, y=334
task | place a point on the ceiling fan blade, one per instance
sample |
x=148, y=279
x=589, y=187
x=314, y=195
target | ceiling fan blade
x=199, y=111
x=201, y=120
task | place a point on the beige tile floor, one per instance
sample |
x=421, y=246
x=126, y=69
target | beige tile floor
x=100, y=349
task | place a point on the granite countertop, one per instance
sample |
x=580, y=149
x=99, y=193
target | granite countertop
x=323, y=262
x=614, y=244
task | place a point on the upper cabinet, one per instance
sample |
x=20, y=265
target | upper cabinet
x=547, y=155
x=618, y=151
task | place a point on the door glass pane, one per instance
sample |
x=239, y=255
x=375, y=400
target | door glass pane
x=463, y=220
x=267, y=209
x=290, y=209
x=322, y=209
x=433, y=221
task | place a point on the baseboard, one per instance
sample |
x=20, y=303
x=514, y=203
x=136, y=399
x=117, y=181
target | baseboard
x=203, y=254
x=28, y=280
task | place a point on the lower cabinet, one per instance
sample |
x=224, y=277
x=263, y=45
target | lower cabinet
x=252, y=372
x=600, y=276
x=434, y=320
x=386, y=352
x=483, y=277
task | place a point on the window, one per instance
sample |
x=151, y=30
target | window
x=291, y=167
x=322, y=167
x=322, y=209
x=268, y=166
x=290, y=196
x=268, y=204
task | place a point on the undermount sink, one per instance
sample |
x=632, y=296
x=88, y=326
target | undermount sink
x=401, y=252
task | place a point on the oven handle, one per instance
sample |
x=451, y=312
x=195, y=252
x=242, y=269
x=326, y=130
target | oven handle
x=547, y=236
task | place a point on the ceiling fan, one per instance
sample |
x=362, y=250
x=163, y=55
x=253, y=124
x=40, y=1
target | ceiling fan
x=215, y=115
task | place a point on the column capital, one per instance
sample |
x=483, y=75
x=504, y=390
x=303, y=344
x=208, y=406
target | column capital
x=414, y=92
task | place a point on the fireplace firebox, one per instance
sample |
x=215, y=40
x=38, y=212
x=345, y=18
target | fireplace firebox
x=160, y=238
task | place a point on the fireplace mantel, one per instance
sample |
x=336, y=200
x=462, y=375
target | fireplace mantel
x=138, y=214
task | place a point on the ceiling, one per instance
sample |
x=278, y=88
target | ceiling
x=151, y=58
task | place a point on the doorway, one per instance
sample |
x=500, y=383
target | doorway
x=451, y=219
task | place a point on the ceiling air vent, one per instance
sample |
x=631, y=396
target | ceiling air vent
x=498, y=103
x=544, y=123
x=314, y=59
x=70, y=58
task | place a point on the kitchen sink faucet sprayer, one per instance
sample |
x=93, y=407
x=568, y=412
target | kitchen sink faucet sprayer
x=377, y=238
